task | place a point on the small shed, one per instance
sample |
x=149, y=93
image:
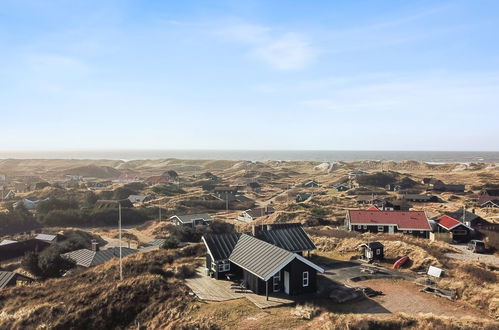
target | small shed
x=372, y=251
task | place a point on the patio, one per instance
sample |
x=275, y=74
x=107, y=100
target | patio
x=210, y=289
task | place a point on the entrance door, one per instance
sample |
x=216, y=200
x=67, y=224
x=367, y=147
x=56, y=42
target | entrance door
x=286, y=282
x=390, y=230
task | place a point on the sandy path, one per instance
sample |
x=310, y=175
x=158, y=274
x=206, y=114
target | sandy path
x=403, y=296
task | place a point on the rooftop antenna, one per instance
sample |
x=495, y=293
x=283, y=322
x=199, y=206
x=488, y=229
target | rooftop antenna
x=119, y=229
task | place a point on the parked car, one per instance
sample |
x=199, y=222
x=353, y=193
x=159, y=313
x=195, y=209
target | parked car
x=476, y=246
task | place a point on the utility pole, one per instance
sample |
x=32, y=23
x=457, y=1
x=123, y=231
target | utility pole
x=160, y=213
x=119, y=228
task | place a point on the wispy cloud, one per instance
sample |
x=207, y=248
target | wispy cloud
x=280, y=50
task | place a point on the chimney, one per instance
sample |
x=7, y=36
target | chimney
x=254, y=230
x=95, y=246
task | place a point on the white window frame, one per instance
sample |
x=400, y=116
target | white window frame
x=359, y=226
x=378, y=252
x=382, y=228
x=223, y=266
x=410, y=231
x=305, y=279
x=364, y=227
x=276, y=282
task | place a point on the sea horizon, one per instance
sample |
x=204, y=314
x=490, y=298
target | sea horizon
x=264, y=155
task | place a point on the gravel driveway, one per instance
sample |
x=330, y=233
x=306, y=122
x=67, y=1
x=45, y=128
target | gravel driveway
x=468, y=255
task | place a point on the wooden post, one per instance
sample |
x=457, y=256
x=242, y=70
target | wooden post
x=267, y=289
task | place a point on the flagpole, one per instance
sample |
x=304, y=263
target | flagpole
x=119, y=225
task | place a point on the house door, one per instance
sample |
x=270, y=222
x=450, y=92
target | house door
x=286, y=282
x=390, y=230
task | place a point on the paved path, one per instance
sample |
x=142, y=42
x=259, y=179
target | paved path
x=468, y=255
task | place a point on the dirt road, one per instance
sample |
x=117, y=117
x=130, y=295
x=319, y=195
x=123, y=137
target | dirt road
x=468, y=255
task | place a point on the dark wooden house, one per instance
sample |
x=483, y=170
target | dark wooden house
x=372, y=251
x=270, y=269
x=460, y=232
x=8, y=279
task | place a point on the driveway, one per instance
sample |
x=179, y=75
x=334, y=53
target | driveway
x=468, y=255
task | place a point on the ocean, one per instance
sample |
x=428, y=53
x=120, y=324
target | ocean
x=263, y=155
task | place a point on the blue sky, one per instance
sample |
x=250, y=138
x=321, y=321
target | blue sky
x=327, y=75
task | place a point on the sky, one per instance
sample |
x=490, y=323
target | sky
x=273, y=75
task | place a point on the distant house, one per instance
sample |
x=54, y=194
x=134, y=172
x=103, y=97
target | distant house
x=10, y=195
x=372, y=251
x=191, y=220
x=127, y=178
x=88, y=258
x=251, y=214
x=440, y=186
x=341, y=187
x=419, y=198
x=352, y=175
x=225, y=192
x=154, y=180
x=488, y=195
x=16, y=249
x=460, y=232
x=311, y=184
x=29, y=203
x=140, y=198
x=48, y=238
x=492, y=203
x=254, y=186
x=473, y=220
x=264, y=267
x=302, y=197
x=390, y=222
x=393, y=187
x=94, y=185
x=8, y=279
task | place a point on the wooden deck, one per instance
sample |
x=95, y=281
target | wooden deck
x=210, y=289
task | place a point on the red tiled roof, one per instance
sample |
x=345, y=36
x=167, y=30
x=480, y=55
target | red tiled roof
x=485, y=199
x=448, y=222
x=373, y=208
x=403, y=219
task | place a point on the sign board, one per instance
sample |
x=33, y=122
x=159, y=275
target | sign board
x=434, y=271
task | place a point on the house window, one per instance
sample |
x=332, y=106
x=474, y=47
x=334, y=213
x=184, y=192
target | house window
x=359, y=226
x=410, y=231
x=380, y=228
x=364, y=226
x=378, y=252
x=224, y=266
x=305, y=279
x=277, y=282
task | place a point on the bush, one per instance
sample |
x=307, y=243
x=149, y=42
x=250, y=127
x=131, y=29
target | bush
x=376, y=179
x=48, y=264
x=16, y=222
x=91, y=218
x=51, y=204
x=184, y=271
x=170, y=243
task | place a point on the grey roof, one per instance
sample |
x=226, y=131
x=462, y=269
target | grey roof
x=157, y=242
x=46, y=237
x=5, y=278
x=258, y=257
x=221, y=246
x=187, y=218
x=89, y=258
x=417, y=197
x=290, y=237
x=458, y=215
x=373, y=245
x=7, y=241
x=263, y=259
